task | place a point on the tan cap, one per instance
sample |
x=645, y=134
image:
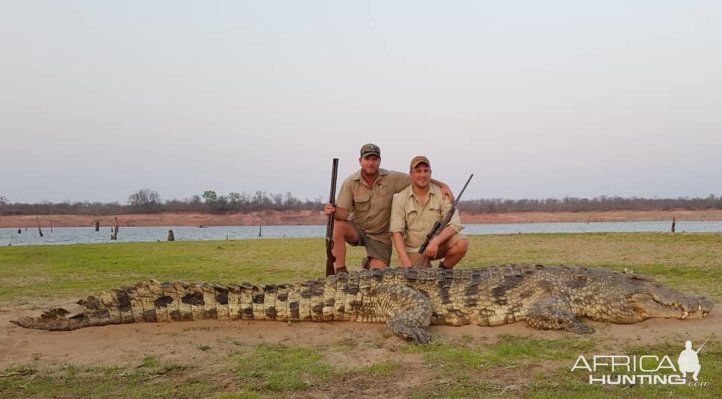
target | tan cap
x=420, y=159
x=370, y=149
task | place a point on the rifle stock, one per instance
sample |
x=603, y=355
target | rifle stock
x=438, y=226
x=330, y=258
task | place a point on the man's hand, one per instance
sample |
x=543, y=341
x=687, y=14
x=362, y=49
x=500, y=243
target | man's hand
x=338, y=212
x=329, y=208
x=405, y=260
x=432, y=248
x=398, y=241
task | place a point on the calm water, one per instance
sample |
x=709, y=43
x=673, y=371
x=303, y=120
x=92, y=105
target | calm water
x=75, y=235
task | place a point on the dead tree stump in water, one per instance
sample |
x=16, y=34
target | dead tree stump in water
x=674, y=222
x=97, y=225
x=39, y=229
x=171, y=237
x=114, y=231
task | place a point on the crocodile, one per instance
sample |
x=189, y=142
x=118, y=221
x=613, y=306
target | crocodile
x=407, y=300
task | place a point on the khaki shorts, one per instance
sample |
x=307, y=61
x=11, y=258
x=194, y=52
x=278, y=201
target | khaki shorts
x=374, y=249
x=419, y=260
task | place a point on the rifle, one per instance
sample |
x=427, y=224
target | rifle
x=700, y=348
x=330, y=259
x=438, y=226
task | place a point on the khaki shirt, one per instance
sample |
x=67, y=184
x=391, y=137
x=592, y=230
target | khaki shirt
x=371, y=206
x=415, y=220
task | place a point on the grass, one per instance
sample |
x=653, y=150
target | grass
x=513, y=367
x=280, y=368
x=76, y=270
x=145, y=381
x=509, y=367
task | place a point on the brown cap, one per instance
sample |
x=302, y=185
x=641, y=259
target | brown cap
x=420, y=159
x=370, y=149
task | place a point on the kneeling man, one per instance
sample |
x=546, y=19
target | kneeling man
x=414, y=212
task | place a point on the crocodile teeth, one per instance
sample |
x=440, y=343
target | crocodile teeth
x=684, y=316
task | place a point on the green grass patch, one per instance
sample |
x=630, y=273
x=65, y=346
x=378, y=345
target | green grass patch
x=149, y=380
x=280, y=368
x=28, y=272
x=383, y=369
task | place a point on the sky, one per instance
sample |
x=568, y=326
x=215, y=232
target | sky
x=99, y=99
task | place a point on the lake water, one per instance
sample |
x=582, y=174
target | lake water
x=75, y=235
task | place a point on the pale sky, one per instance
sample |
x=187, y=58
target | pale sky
x=537, y=98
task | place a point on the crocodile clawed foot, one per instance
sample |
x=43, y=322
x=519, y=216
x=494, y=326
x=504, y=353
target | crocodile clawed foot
x=551, y=314
x=422, y=337
x=416, y=335
x=580, y=328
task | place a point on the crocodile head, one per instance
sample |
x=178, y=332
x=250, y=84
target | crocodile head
x=647, y=299
x=627, y=297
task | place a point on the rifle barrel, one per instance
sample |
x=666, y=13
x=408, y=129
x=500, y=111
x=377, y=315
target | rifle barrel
x=438, y=226
x=330, y=259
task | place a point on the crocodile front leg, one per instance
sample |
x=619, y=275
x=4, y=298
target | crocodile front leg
x=555, y=314
x=406, y=310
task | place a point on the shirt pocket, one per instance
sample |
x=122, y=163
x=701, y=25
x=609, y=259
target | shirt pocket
x=362, y=203
x=435, y=212
x=412, y=221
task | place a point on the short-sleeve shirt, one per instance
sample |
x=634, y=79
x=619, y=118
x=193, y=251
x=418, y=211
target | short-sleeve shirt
x=415, y=220
x=370, y=207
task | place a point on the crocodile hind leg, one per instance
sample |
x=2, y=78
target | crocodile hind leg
x=554, y=314
x=407, y=311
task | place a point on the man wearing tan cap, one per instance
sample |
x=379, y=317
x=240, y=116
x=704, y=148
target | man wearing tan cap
x=363, y=209
x=414, y=212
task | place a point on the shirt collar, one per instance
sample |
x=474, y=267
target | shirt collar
x=433, y=190
x=359, y=176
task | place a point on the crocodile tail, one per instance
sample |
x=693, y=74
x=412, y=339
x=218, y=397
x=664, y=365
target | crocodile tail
x=148, y=301
x=127, y=304
x=54, y=320
x=151, y=301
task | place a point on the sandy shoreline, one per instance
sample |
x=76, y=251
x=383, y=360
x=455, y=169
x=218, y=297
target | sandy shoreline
x=270, y=218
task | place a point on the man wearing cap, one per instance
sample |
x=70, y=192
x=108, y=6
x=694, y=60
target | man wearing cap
x=414, y=212
x=363, y=209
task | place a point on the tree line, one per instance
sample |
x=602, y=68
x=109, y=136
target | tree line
x=149, y=201
x=597, y=204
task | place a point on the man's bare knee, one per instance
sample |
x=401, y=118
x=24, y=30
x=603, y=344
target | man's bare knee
x=344, y=231
x=459, y=248
x=456, y=253
x=464, y=245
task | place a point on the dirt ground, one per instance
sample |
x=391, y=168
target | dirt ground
x=269, y=218
x=128, y=344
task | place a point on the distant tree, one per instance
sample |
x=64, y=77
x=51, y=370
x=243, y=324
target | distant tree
x=210, y=196
x=234, y=197
x=145, y=200
x=219, y=205
x=235, y=201
x=3, y=200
